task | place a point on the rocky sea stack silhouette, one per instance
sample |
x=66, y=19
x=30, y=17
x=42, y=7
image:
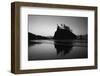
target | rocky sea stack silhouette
x=63, y=32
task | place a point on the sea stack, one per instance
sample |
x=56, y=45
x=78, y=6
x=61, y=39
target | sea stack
x=63, y=32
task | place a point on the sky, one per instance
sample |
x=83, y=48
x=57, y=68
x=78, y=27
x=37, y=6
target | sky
x=46, y=25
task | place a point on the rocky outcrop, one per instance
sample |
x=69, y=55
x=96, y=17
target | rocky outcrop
x=63, y=32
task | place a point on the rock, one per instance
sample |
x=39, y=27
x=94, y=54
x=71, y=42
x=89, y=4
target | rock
x=63, y=32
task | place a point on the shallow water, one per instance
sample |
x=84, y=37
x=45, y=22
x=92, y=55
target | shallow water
x=50, y=49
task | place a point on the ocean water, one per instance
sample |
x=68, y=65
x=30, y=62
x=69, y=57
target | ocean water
x=57, y=49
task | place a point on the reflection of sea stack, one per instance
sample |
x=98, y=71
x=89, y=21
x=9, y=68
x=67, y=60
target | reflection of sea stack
x=63, y=48
x=64, y=32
